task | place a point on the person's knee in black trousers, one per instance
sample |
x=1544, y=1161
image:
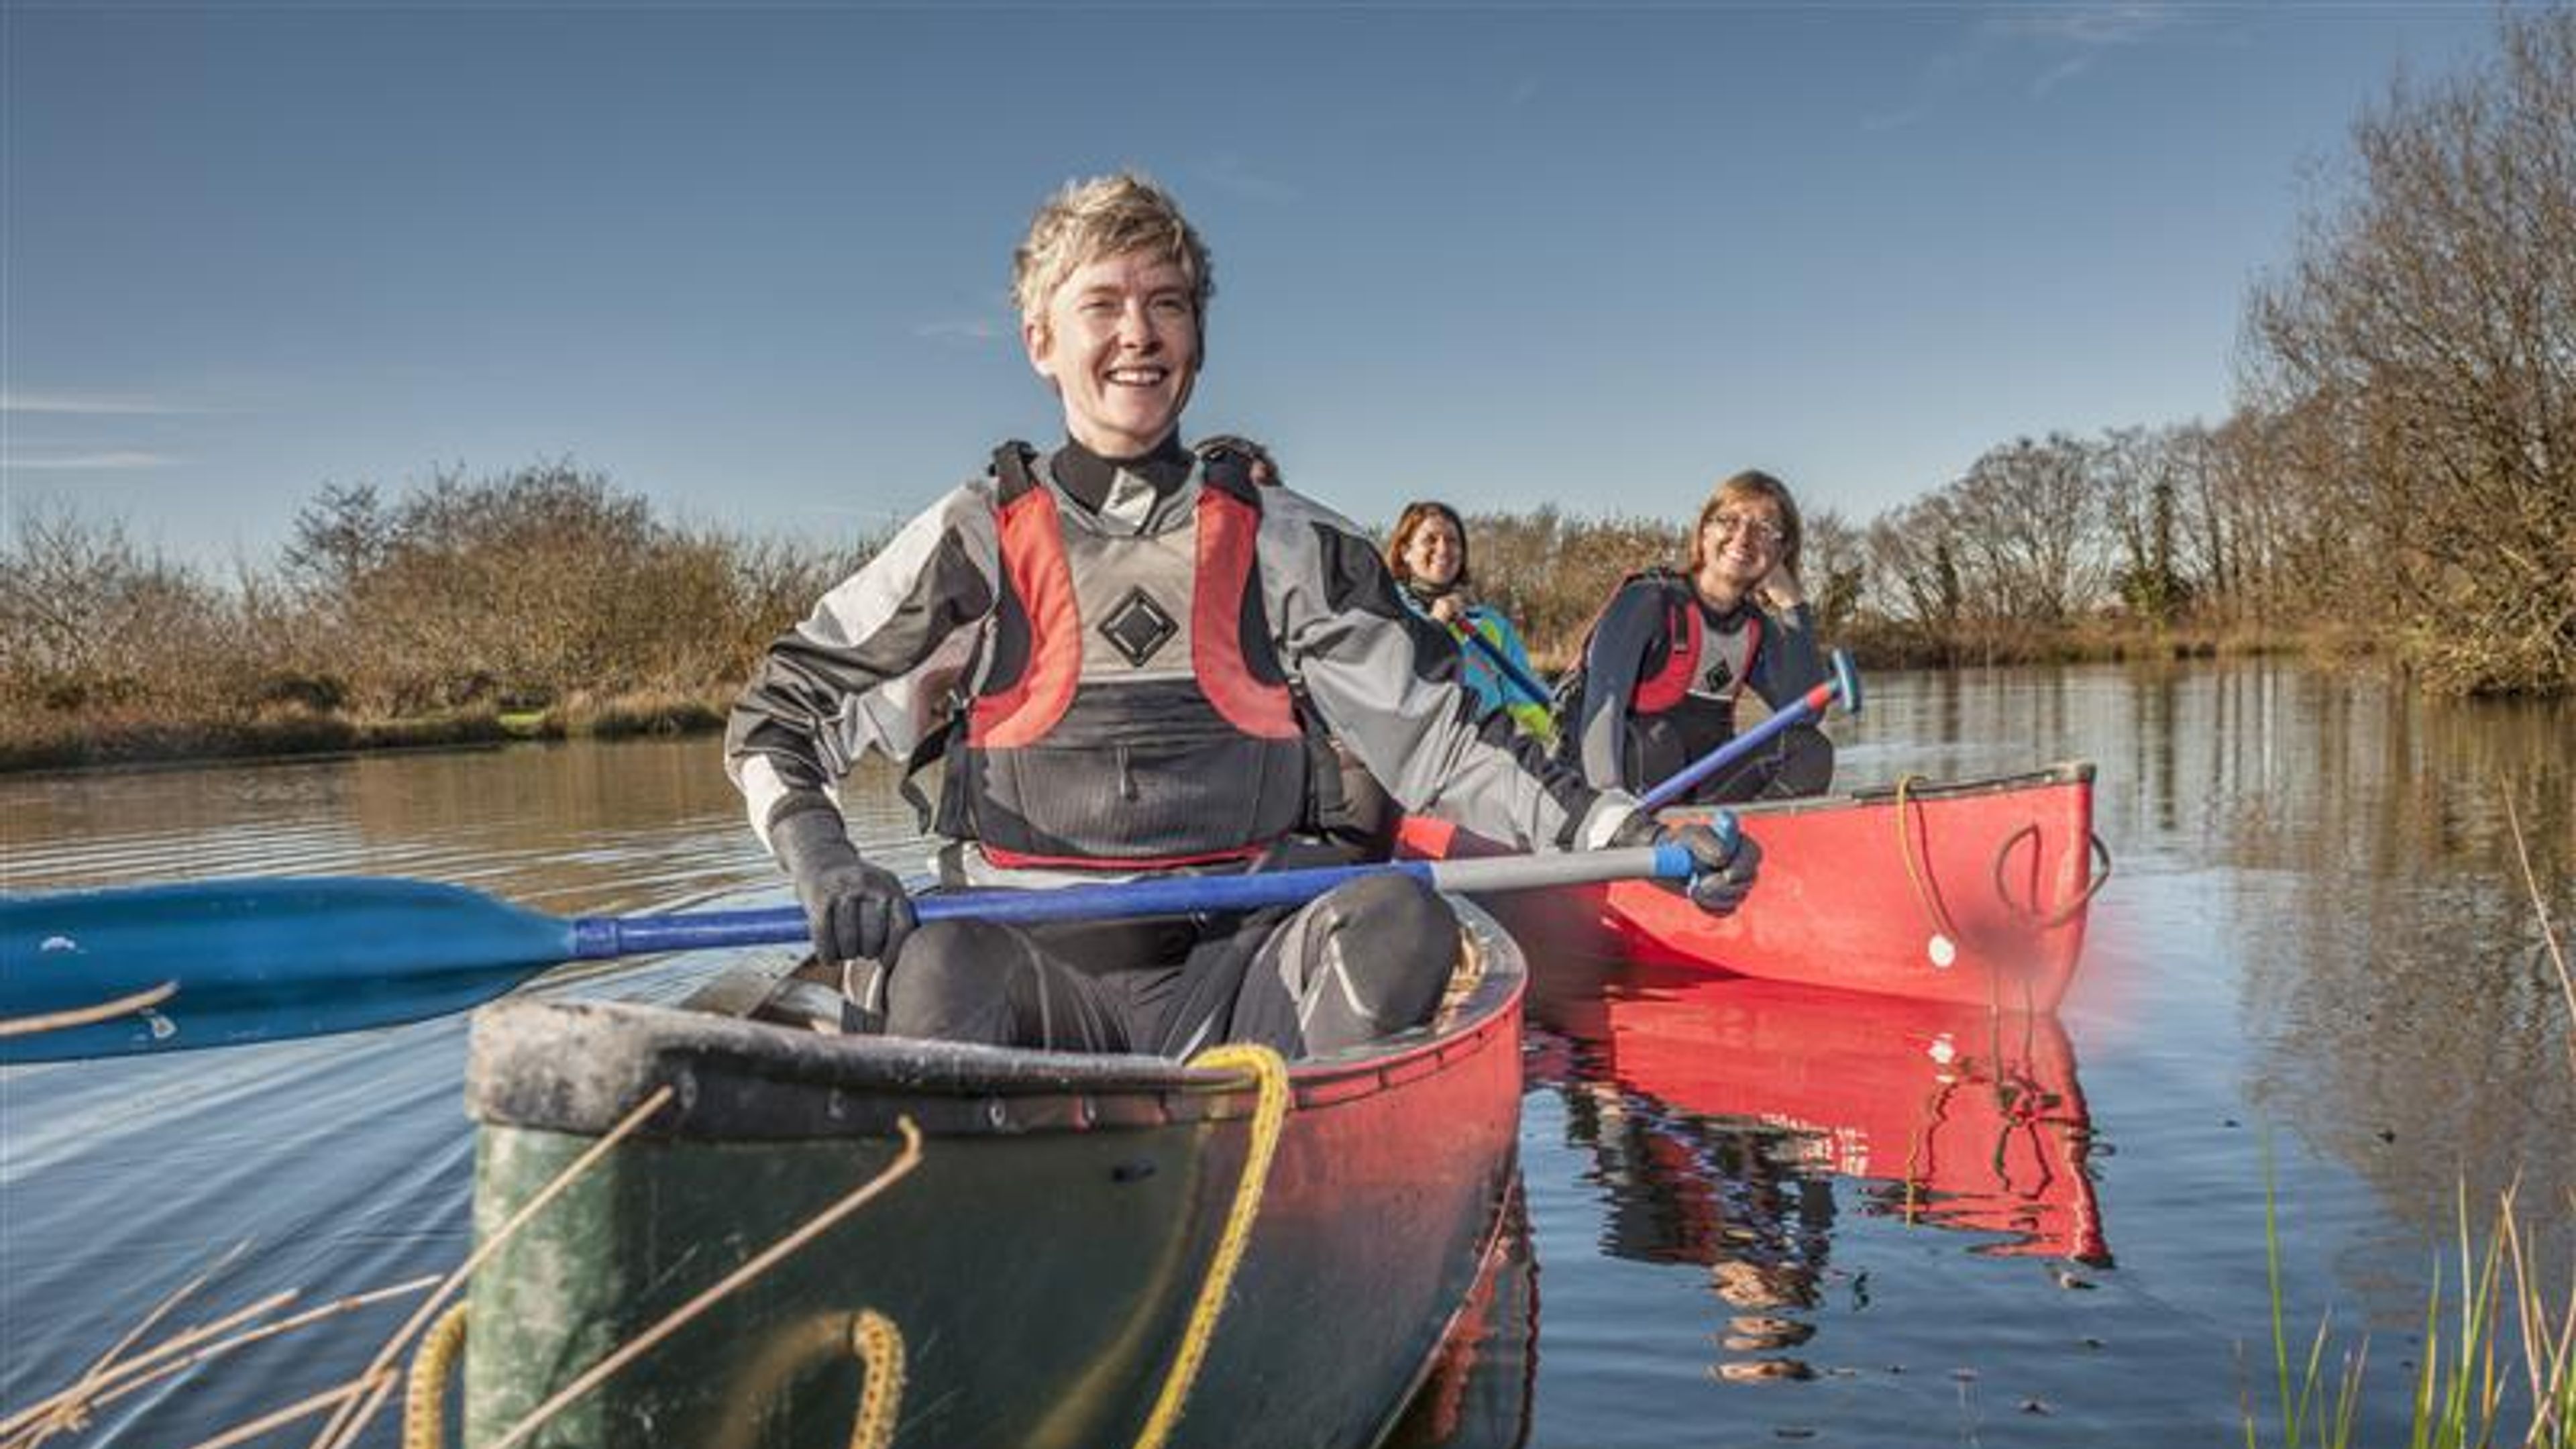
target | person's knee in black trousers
x=979, y=981
x=1367, y=959
x=1806, y=764
x=1797, y=764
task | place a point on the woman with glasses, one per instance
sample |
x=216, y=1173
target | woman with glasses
x=1674, y=648
x=1427, y=553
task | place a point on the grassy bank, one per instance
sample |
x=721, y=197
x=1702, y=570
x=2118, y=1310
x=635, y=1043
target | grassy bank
x=1877, y=647
x=130, y=738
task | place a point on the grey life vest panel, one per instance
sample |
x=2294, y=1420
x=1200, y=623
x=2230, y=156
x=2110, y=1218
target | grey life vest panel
x=1129, y=710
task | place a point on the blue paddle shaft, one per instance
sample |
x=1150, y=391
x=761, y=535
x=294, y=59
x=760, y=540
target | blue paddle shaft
x=598, y=937
x=1845, y=685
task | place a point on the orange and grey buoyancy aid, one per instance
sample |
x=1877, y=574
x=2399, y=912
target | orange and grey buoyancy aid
x=1129, y=710
x=1683, y=702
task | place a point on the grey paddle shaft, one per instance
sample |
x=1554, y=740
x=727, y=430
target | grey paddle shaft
x=1580, y=867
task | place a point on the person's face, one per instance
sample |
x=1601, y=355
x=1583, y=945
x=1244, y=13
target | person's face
x=1120, y=341
x=1433, y=552
x=1743, y=543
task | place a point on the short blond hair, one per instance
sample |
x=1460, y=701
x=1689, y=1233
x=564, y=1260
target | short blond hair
x=1106, y=216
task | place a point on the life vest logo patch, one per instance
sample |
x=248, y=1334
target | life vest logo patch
x=1138, y=627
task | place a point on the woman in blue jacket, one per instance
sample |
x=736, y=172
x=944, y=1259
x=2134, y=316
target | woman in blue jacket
x=1428, y=556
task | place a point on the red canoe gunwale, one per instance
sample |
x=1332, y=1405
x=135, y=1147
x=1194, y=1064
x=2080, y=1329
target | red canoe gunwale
x=2001, y=868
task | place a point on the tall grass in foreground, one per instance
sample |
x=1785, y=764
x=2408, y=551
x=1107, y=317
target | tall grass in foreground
x=2500, y=1323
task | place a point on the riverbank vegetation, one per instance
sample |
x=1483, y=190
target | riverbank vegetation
x=541, y=602
x=2496, y=1360
x=2398, y=481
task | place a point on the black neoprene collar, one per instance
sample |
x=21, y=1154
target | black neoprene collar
x=1087, y=475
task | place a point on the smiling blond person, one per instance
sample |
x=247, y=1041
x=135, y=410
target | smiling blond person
x=1126, y=653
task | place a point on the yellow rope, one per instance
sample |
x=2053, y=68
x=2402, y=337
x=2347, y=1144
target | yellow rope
x=1270, y=1111
x=425, y=1397
x=879, y=1345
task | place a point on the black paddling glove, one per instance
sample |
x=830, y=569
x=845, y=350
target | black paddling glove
x=857, y=911
x=1721, y=876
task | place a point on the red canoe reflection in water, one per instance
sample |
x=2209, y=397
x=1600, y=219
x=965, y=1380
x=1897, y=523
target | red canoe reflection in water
x=1481, y=1388
x=1956, y=1117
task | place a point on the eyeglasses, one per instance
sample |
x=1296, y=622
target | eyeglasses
x=1728, y=525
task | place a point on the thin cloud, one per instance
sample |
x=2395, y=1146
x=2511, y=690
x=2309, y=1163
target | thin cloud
x=86, y=462
x=2089, y=31
x=2065, y=71
x=2068, y=41
x=1949, y=72
x=2092, y=26
x=95, y=404
x=1892, y=120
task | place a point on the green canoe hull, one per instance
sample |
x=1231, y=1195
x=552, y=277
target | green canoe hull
x=1041, y=1262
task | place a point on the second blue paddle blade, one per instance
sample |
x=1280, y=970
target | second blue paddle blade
x=258, y=960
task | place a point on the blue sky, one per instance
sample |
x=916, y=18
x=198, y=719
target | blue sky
x=751, y=261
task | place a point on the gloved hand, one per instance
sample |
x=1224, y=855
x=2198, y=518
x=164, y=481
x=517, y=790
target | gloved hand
x=857, y=911
x=1723, y=875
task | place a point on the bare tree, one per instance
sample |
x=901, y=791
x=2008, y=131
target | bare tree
x=2140, y=477
x=1834, y=570
x=2026, y=516
x=1914, y=569
x=2424, y=342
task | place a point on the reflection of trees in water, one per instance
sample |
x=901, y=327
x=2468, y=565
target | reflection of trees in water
x=572, y=825
x=2394, y=971
x=1748, y=1202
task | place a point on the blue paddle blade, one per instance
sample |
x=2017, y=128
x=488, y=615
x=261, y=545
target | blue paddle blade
x=258, y=961
x=1846, y=681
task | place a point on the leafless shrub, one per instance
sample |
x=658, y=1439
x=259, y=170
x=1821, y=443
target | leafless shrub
x=2026, y=517
x=93, y=621
x=2421, y=350
x=1551, y=572
x=1917, y=580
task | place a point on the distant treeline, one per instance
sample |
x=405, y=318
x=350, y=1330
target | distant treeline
x=2399, y=480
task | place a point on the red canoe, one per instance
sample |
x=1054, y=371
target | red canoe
x=1971, y=891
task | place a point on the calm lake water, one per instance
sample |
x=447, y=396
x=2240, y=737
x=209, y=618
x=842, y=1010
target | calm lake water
x=2318, y=953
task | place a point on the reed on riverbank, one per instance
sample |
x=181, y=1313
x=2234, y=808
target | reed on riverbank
x=2498, y=1361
